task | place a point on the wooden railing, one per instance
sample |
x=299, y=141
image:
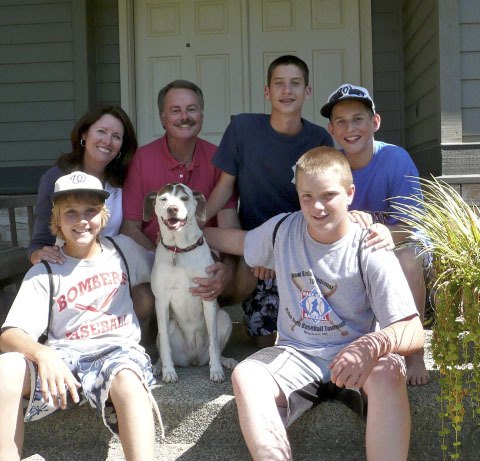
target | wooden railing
x=13, y=257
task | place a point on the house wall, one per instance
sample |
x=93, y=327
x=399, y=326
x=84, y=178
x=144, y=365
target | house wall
x=107, y=56
x=387, y=69
x=459, y=25
x=57, y=59
x=37, y=93
x=470, y=69
x=420, y=67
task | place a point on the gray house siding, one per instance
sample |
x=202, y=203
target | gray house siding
x=57, y=58
x=420, y=51
x=387, y=69
x=470, y=69
x=107, y=57
x=36, y=81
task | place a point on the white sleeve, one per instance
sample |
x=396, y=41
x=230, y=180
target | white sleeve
x=259, y=248
x=138, y=260
x=114, y=206
x=30, y=309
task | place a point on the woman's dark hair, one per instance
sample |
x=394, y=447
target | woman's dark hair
x=116, y=170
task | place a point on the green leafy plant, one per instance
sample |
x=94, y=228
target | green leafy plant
x=452, y=228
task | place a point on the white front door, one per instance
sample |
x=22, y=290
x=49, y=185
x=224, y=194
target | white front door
x=225, y=47
x=192, y=40
x=324, y=33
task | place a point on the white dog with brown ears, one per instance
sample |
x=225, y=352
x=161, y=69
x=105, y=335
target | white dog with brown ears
x=191, y=331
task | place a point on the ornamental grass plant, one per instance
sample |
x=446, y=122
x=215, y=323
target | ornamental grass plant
x=452, y=228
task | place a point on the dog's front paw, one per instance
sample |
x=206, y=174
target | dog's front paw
x=169, y=375
x=217, y=375
x=229, y=363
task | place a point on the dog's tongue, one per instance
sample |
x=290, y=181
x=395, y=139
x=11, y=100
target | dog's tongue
x=174, y=223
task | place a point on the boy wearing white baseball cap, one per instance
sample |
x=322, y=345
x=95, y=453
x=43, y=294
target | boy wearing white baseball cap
x=84, y=308
x=381, y=172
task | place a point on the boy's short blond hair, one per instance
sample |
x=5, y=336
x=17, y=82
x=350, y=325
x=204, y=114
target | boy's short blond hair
x=87, y=197
x=320, y=159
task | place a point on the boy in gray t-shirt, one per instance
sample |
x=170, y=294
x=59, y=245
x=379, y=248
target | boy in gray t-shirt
x=345, y=317
x=92, y=349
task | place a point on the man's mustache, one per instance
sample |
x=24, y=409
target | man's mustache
x=187, y=121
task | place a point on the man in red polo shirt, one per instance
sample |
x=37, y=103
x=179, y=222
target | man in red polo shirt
x=178, y=156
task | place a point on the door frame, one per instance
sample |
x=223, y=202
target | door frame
x=127, y=52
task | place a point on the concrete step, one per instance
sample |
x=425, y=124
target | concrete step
x=201, y=423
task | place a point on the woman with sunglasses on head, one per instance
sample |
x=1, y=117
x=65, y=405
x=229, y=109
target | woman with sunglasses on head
x=103, y=143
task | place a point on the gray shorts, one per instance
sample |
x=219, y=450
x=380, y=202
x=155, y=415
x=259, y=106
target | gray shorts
x=304, y=379
x=95, y=371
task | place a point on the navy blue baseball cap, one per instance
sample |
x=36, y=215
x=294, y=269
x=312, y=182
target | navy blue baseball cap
x=344, y=92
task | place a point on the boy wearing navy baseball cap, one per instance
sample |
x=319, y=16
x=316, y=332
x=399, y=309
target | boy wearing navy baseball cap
x=381, y=173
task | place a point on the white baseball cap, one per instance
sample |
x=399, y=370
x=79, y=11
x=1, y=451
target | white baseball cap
x=347, y=91
x=79, y=181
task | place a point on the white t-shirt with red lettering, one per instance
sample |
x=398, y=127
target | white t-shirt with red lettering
x=92, y=306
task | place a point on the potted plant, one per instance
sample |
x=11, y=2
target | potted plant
x=452, y=228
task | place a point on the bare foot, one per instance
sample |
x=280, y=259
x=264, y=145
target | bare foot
x=417, y=374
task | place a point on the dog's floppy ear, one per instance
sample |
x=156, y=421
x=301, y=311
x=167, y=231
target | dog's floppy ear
x=149, y=205
x=201, y=212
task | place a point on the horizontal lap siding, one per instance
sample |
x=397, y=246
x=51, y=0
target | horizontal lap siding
x=470, y=64
x=387, y=68
x=107, y=52
x=36, y=81
x=54, y=63
x=420, y=67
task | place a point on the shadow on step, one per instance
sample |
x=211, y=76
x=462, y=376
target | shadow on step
x=314, y=437
x=75, y=434
x=221, y=440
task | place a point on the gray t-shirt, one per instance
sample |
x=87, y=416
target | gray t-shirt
x=325, y=303
x=92, y=304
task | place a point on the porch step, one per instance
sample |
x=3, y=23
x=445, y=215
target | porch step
x=201, y=424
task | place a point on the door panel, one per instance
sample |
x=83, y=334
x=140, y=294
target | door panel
x=225, y=46
x=192, y=40
x=324, y=33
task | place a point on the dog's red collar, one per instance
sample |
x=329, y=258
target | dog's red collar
x=174, y=249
